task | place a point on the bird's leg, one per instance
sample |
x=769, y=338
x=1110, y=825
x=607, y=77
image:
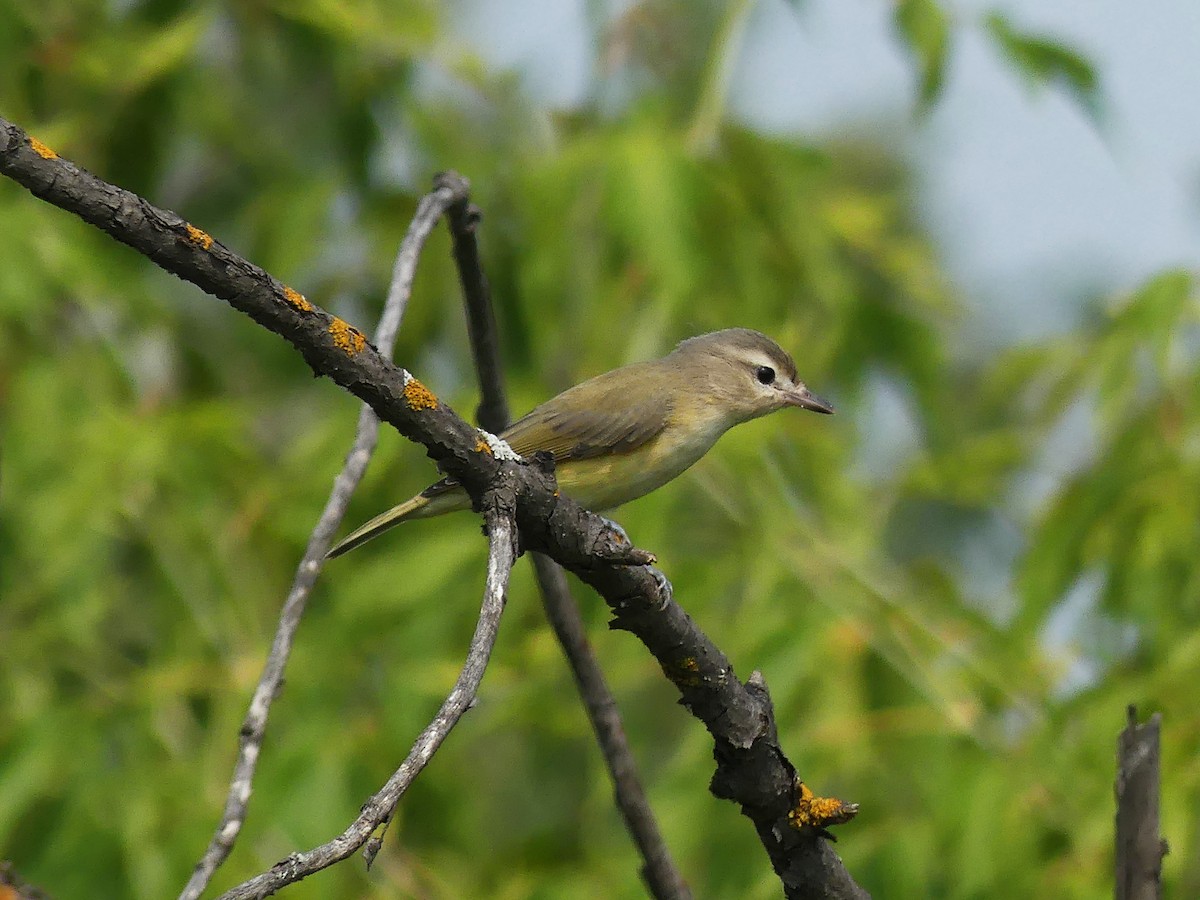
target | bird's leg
x=665, y=591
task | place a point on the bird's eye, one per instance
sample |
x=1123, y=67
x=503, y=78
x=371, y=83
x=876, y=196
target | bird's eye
x=765, y=374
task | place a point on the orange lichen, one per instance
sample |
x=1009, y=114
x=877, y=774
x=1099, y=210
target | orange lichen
x=196, y=236
x=296, y=299
x=41, y=149
x=419, y=396
x=481, y=446
x=816, y=812
x=346, y=337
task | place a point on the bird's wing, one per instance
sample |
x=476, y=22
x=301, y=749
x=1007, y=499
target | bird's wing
x=592, y=419
x=589, y=420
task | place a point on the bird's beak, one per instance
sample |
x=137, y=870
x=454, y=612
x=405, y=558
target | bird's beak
x=805, y=399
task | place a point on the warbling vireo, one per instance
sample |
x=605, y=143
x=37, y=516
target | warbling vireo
x=627, y=432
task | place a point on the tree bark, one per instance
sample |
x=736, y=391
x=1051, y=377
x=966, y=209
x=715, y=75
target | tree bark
x=1140, y=849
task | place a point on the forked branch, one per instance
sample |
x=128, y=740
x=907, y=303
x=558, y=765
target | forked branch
x=254, y=726
x=752, y=769
x=502, y=553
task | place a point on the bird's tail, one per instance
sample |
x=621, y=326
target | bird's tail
x=409, y=509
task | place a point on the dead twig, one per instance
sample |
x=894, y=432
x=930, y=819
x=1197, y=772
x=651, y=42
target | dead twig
x=502, y=553
x=254, y=726
x=1140, y=849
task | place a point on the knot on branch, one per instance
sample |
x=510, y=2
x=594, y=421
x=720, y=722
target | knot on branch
x=750, y=773
x=288, y=864
x=815, y=814
x=500, y=498
x=751, y=768
x=456, y=185
x=611, y=544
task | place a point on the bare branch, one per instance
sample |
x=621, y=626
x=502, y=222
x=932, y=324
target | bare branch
x=751, y=767
x=662, y=877
x=1140, y=848
x=502, y=553
x=250, y=737
x=492, y=412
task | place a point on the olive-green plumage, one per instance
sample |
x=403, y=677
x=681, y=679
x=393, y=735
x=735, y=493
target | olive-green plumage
x=627, y=432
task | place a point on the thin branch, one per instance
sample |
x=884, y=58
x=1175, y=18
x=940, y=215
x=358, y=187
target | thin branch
x=502, y=553
x=492, y=412
x=431, y=208
x=752, y=769
x=250, y=737
x=658, y=870
x=1139, y=847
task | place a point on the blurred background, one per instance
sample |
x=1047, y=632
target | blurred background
x=975, y=226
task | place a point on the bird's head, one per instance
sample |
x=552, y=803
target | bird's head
x=743, y=374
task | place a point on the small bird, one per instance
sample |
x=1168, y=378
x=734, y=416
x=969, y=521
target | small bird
x=628, y=432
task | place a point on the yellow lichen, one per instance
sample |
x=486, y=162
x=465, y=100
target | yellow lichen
x=196, y=236
x=481, y=446
x=816, y=812
x=346, y=337
x=296, y=299
x=41, y=149
x=419, y=396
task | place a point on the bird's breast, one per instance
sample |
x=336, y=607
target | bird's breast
x=608, y=481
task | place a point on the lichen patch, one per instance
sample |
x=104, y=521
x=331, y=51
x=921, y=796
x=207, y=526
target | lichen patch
x=41, y=149
x=347, y=338
x=296, y=299
x=196, y=236
x=816, y=812
x=418, y=396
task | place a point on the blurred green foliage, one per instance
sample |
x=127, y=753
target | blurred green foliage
x=925, y=27
x=1044, y=61
x=952, y=616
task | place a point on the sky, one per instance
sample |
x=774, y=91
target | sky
x=1034, y=207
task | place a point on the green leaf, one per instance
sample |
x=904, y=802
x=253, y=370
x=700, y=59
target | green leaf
x=1156, y=309
x=925, y=28
x=1148, y=327
x=1044, y=62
